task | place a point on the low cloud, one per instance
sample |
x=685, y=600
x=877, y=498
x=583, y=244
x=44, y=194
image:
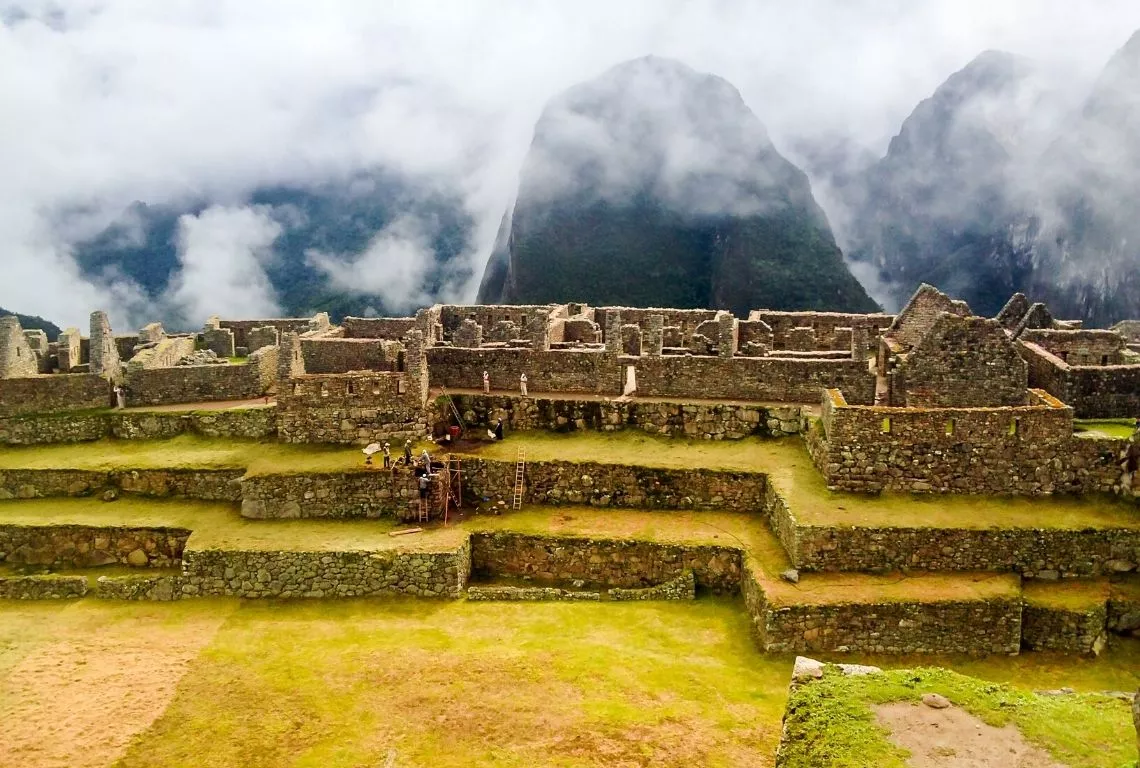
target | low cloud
x=107, y=102
x=223, y=253
x=393, y=266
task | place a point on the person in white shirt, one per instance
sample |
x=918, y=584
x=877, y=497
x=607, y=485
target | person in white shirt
x=486, y=383
x=522, y=384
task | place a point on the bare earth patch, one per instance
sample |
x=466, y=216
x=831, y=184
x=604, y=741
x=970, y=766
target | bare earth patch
x=953, y=737
x=78, y=703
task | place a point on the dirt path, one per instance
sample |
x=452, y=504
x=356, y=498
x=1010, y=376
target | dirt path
x=940, y=738
x=78, y=703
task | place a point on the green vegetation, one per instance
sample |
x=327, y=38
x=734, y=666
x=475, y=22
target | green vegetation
x=35, y=322
x=1115, y=428
x=832, y=722
x=1069, y=595
x=790, y=468
x=220, y=526
x=346, y=683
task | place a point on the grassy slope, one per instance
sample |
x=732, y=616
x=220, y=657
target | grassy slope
x=340, y=683
x=831, y=722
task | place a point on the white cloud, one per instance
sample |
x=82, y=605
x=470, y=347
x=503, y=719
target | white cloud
x=110, y=101
x=393, y=266
x=223, y=252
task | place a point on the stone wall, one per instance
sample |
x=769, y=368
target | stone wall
x=255, y=423
x=613, y=563
x=832, y=330
x=974, y=628
x=375, y=493
x=557, y=370
x=202, y=484
x=357, y=408
x=80, y=546
x=1029, y=449
x=16, y=357
x=155, y=588
x=377, y=327
x=203, y=383
x=769, y=379
x=42, y=587
x=1034, y=552
x=614, y=485
x=920, y=314
x=1079, y=347
x=53, y=393
x=710, y=421
x=164, y=354
x=961, y=362
x=241, y=328
x=508, y=593
x=324, y=574
x=1068, y=630
x=331, y=355
x=1093, y=391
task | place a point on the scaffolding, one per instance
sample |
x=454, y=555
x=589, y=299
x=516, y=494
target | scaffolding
x=445, y=493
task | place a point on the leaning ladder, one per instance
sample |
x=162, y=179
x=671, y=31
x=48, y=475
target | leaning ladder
x=520, y=472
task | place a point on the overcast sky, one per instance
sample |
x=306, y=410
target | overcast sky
x=104, y=103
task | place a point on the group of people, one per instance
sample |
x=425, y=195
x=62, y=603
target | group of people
x=386, y=452
x=487, y=384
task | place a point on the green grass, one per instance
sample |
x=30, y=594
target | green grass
x=345, y=683
x=832, y=722
x=787, y=463
x=1070, y=595
x=220, y=526
x=1114, y=428
x=187, y=451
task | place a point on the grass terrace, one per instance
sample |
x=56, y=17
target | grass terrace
x=1112, y=428
x=412, y=683
x=787, y=463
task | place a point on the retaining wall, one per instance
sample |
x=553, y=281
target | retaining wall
x=699, y=420
x=1069, y=630
x=204, y=484
x=253, y=423
x=254, y=574
x=607, y=562
x=42, y=587
x=80, y=546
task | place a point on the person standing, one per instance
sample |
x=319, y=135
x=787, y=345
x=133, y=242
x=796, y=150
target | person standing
x=499, y=429
x=120, y=397
x=486, y=383
x=522, y=384
x=387, y=457
x=407, y=453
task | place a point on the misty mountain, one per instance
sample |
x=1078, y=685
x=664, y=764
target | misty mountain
x=310, y=264
x=33, y=322
x=993, y=186
x=655, y=185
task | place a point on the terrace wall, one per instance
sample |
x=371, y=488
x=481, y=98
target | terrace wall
x=336, y=495
x=203, y=484
x=710, y=421
x=42, y=587
x=1068, y=630
x=969, y=627
x=1027, y=449
x=80, y=546
x=256, y=423
x=606, y=562
x=53, y=393
x=325, y=574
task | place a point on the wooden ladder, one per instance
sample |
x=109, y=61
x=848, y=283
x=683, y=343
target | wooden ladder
x=520, y=472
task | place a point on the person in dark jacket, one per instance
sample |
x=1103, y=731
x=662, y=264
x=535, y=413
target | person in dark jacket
x=499, y=429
